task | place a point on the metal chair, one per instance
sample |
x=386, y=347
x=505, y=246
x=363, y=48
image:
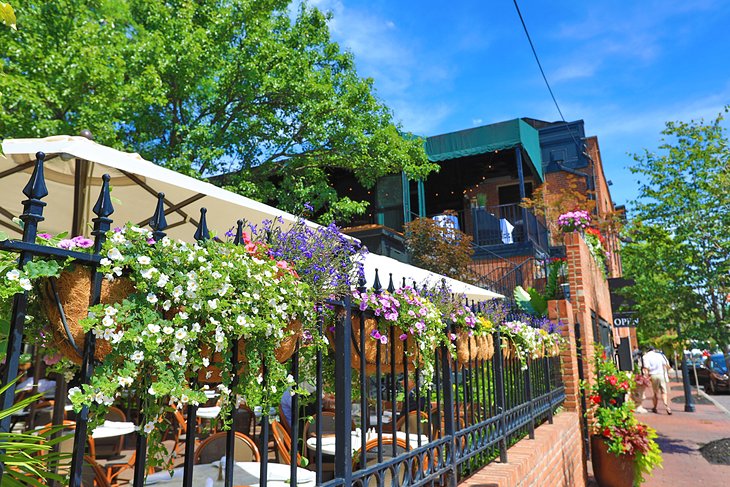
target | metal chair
x=371, y=458
x=283, y=444
x=414, y=418
x=214, y=447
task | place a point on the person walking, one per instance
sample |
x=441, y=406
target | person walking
x=656, y=366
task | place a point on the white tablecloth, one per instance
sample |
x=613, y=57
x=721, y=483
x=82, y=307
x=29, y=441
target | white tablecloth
x=245, y=473
x=209, y=413
x=328, y=443
x=113, y=428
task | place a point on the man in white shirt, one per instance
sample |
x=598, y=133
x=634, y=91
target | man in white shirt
x=656, y=365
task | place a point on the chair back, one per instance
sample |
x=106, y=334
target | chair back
x=40, y=413
x=414, y=418
x=92, y=474
x=111, y=448
x=371, y=458
x=243, y=420
x=214, y=447
x=283, y=443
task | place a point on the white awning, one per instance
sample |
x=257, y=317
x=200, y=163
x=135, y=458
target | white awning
x=73, y=170
x=73, y=186
x=388, y=267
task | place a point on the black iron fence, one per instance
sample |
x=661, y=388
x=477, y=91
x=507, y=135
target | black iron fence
x=386, y=425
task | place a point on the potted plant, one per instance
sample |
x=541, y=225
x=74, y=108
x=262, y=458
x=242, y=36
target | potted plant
x=623, y=449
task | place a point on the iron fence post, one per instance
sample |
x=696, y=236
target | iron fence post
x=35, y=190
x=449, y=427
x=528, y=396
x=343, y=396
x=500, y=398
x=102, y=209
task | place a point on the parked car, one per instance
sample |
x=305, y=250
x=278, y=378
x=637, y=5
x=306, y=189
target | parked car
x=718, y=379
x=697, y=364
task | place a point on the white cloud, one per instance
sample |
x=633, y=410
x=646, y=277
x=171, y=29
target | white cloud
x=477, y=121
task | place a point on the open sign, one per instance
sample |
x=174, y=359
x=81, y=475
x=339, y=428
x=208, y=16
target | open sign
x=625, y=322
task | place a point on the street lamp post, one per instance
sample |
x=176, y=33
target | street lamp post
x=689, y=403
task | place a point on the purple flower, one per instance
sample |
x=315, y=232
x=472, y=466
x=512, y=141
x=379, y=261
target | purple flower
x=308, y=207
x=307, y=336
x=375, y=334
x=452, y=336
x=117, y=229
x=383, y=339
x=45, y=236
x=82, y=242
x=403, y=337
x=229, y=233
x=151, y=241
x=66, y=244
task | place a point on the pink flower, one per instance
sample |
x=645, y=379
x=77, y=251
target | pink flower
x=66, y=244
x=375, y=334
x=82, y=242
x=45, y=236
x=383, y=339
x=452, y=336
x=151, y=241
x=403, y=337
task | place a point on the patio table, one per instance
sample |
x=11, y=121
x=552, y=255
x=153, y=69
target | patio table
x=113, y=428
x=329, y=448
x=211, y=412
x=245, y=473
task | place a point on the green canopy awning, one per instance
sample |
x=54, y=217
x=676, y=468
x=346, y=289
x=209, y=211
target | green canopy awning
x=488, y=138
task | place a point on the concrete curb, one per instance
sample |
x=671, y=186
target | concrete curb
x=713, y=401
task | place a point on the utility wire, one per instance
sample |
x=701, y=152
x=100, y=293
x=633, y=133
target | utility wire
x=539, y=64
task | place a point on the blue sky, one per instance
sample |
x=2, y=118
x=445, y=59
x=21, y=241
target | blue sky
x=625, y=67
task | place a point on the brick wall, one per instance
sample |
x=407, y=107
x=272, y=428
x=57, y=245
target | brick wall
x=552, y=459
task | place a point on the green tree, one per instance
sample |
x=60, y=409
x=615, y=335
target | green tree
x=244, y=88
x=680, y=255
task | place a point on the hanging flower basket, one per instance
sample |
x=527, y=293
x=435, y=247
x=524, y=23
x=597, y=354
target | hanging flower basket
x=485, y=346
x=370, y=353
x=508, y=348
x=466, y=347
x=67, y=299
x=212, y=373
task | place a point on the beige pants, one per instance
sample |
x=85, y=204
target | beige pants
x=658, y=384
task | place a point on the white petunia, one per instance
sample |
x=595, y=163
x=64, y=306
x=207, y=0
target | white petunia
x=181, y=334
x=105, y=261
x=149, y=427
x=138, y=356
x=213, y=303
x=206, y=361
x=168, y=330
x=114, y=254
x=110, y=311
x=162, y=280
x=144, y=260
x=147, y=273
x=151, y=298
x=151, y=391
x=195, y=327
x=153, y=328
x=107, y=321
x=167, y=305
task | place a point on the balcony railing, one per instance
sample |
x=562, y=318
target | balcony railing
x=505, y=225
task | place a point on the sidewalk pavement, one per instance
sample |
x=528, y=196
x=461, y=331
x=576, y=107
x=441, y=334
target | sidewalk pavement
x=680, y=437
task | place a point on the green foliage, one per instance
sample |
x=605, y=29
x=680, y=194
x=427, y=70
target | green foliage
x=679, y=253
x=252, y=89
x=531, y=301
x=28, y=456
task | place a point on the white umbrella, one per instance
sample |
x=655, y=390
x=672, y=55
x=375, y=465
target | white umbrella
x=387, y=267
x=73, y=170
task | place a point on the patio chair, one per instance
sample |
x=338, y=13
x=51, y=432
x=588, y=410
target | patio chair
x=414, y=418
x=283, y=444
x=111, y=448
x=371, y=458
x=92, y=475
x=310, y=431
x=214, y=447
x=243, y=420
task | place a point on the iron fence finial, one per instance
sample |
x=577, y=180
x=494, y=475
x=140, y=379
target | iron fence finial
x=377, y=286
x=202, y=232
x=158, y=222
x=36, y=187
x=391, y=286
x=103, y=207
x=238, y=240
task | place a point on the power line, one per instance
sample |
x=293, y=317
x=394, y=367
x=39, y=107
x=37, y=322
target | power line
x=539, y=64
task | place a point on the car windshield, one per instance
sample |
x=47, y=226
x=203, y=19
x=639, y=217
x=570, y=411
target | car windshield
x=718, y=364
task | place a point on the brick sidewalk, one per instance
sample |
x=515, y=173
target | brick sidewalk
x=680, y=437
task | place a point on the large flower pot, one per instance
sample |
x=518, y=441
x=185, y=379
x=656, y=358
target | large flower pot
x=611, y=470
x=73, y=290
x=473, y=348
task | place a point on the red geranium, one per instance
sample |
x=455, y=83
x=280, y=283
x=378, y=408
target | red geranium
x=596, y=399
x=612, y=380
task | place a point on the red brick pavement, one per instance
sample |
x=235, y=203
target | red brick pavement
x=680, y=437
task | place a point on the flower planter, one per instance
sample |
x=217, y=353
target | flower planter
x=370, y=353
x=470, y=349
x=508, y=349
x=73, y=287
x=611, y=470
x=282, y=353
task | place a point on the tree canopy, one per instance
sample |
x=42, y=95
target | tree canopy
x=251, y=89
x=679, y=253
